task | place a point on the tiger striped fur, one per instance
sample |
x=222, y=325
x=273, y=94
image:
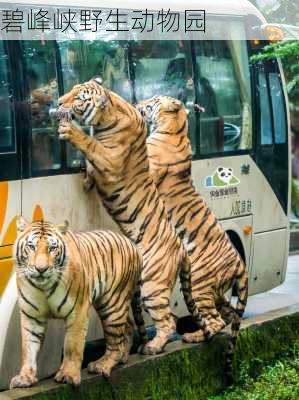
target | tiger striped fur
x=118, y=156
x=61, y=274
x=215, y=263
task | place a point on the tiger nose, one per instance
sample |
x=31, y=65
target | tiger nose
x=41, y=268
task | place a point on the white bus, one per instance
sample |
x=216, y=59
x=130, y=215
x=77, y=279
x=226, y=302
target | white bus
x=241, y=145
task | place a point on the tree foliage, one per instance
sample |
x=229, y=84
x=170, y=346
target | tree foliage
x=288, y=52
x=279, y=11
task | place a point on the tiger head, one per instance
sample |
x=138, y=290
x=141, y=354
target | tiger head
x=160, y=109
x=88, y=103
x=40, y=250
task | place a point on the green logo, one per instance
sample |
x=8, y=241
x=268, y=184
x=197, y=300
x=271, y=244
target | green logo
x=222, y=177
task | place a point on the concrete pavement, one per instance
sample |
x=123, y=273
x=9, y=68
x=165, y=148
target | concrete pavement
x=284, y=295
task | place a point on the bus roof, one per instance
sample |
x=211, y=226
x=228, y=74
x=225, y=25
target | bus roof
x=226, y=7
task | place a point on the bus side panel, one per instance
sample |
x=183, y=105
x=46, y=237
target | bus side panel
x=269, y=253
x=10, y=207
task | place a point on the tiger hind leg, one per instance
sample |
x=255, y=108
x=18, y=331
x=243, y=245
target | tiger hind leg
x=117, y=333
x=186, y=287
x=213, y=325
x=213, y=321
x=225, y=309
x=156, y=302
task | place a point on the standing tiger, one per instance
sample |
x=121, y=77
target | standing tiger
x=216, y=266
x=119, y=159
x=61, y=274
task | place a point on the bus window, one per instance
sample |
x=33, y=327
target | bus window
x=7, y=136
x=224, y=92
x=82, y=60
x=279, y=115
x=266, y=124
x=164, y=67
x=41, y=72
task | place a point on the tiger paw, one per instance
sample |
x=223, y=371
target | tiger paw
x=88, y=184
x=101, y=367
x=68, y=374
x=194, y=337
x=151, y=348
x=64, y=130
x=23, y=381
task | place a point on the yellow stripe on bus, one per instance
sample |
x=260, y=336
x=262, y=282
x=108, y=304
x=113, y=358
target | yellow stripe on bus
x=3, y=202
x=6, y=247
x=10, y=234
x=6, y=267
x=6, y=251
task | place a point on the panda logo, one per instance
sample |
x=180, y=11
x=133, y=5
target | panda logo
x=222, y=177
x=224, y=174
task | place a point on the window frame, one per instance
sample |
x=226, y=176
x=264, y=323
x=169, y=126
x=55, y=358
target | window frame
x=10, y=161
x=24, y=129
x=276, y=73
x=262, y=69
x=11, y=109
x=198, y=155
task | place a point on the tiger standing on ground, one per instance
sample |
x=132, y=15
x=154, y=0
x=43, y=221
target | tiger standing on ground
x=216, y=265
x=120, y=169
x=61, y=274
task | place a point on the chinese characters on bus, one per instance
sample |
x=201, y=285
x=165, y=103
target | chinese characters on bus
x=76, y=20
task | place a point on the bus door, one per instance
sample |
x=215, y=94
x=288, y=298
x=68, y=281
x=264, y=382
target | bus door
x=10, y=164
x=272, y=159
x=272, y=143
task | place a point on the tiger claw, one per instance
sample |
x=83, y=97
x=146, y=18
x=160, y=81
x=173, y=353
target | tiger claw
x=64, y=136
x=22, y=381
x=70, y=376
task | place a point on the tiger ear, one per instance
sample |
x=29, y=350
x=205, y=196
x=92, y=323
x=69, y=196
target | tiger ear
x=63, y=227
x=100, y=101
x=21, y=223
x=98, y=79
x=173, y=105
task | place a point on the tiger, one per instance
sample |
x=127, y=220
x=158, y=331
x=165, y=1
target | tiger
x=61, y=274
x=216, y=266
x=117, y=152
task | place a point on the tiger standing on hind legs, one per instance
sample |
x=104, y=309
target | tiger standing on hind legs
x=61, y=274
x=120, y=170
x=216, y=266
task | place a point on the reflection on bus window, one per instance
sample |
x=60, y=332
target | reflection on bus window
x=164, y=67
x=41, y=72
x=7, y=136
x=82, y=60
x=279, y=115
x=224, y=93
x=266, y=125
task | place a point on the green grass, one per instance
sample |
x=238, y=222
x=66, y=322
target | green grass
x=276, y=381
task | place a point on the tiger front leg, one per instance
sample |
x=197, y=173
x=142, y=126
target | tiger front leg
x=89, y=181
x=33, y=332
x=97, y=154
x=76, y=329
x=69, y=130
